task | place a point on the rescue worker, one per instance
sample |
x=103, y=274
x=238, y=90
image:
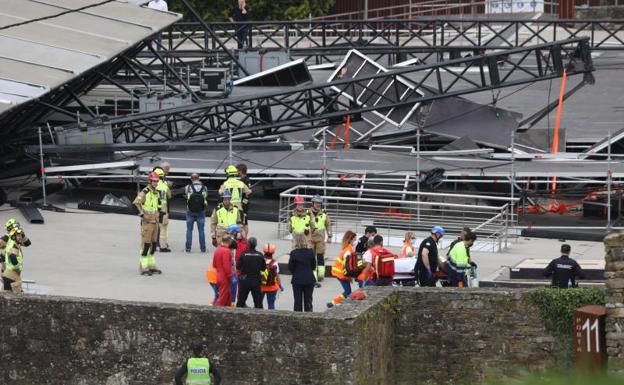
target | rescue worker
x=198, y=369
x=11, y=224
x=459, y=261
x=320, y=226
x=249, y=267
x=270, y=282
x=224, y=215
x=238, y=188
x=408, y=250
x=339, y=270
x=299, y=222
x=362, y=248
x=564, y=270
x=14, y=261
x=222, y=263
x=238, y=247
x=164, y=190
x=428, y=261
x=242, y=174
x=149, y=205
x=211, y=277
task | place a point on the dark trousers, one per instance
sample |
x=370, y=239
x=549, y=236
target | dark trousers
x=246, y=286
x=241, y=37
x=303, y=293
x=383, y=281
x=424, y=281
x=7, y=283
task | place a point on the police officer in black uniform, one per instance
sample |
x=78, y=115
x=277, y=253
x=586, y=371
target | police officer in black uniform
x=427, y=262
x=564, y=270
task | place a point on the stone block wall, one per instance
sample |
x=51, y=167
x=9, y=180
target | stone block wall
x=395, y=336
x=614, y=300
x=65, y=341
x=459, y=335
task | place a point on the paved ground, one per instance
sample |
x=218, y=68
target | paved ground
x=87, y=254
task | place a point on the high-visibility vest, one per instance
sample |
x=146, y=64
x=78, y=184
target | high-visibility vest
x=20, y=257
x=227, y=217
x=197, y=371
x=319, y=220
x=339, y=270
x=300, y=224
x=458, y=257
x=408, y=248
x=163, y=188
x=152, y=201
x=236, y=187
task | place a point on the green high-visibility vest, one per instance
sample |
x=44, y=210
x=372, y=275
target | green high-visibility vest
x=163, y=188
x=459, y=255
x=20, y=257
x=227, y=217
x=152, y=200
x=198, y=371
x=236, y=187
x=319, y=220
x=300, y=224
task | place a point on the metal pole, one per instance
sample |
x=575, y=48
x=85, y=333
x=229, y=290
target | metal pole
x=418, y=173
x=43, y=175
x=324, y=162
x=513, y=172
x=230, y=143
x=609, y=184
x=365, y=9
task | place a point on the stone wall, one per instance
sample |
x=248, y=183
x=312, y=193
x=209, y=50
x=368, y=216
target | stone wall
x=614, y=300
x=600, y=13
x=460, y=335
x=396, y=336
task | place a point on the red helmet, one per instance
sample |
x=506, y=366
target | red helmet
x=153, y=177
x=269, y=248
x=298, y=199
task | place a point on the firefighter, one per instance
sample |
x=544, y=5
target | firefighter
x=14, y=261
x=239, y=190
x=149, y=205
x=320, y=226
x=164, y=189
x=299, y=222
x=224, y=215
x=11, y=224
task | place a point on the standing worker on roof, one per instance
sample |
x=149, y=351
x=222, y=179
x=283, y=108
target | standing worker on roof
x=428, y=261
x=14, y=261
x=238, y=188
x=299, y=222
x=164, y=190
x=321, y=225
x=149, y=205
x=223, y=216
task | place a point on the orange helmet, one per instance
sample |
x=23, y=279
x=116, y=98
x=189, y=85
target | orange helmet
x=298, y=199
x=153, y=177
x=269, y=248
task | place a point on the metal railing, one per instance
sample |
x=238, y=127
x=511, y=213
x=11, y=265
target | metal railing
x=395, y=212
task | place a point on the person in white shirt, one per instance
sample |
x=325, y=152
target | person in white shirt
x=159, y=5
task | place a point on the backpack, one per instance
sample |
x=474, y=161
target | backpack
x=270, y=277
x=353, y=265
x=383, y=262
x=196, y=202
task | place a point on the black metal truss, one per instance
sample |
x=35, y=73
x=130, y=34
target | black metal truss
x=428, y=37
x=261, y=117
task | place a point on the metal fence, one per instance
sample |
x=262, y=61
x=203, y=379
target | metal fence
x=395, y=212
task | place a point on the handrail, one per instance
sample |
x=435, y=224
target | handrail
x=402, y=192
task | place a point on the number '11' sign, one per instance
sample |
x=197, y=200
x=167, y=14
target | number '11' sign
x=595, y=327
x=589, y=338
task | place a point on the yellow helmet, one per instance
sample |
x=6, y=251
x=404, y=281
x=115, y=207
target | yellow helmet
x=159, y=171
x=231, y=170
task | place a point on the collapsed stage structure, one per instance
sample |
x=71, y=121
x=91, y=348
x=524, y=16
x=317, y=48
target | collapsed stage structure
x=399, y=104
